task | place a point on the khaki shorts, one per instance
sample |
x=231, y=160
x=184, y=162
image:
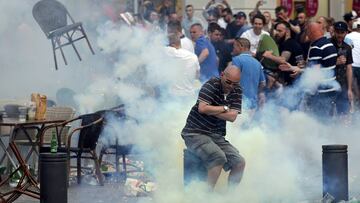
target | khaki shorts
x=213, y=150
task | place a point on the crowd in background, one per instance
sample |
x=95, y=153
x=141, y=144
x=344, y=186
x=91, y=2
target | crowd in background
x=207, y=47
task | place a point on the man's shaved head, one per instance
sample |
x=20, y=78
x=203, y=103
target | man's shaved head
x=314, y=31
x=232, y=72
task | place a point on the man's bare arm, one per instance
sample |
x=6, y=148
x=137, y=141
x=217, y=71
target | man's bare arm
x=203, y=55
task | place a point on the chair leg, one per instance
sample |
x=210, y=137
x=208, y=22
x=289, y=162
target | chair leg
x=124, y=165
x=54, y=53
x=97, y=168
x=78, y=168
x=73, y=45
x=87, y=40
x=61, y=50
x=101, y=156
x=117, y=156
x=68, y=169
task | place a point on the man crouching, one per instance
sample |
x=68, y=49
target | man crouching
x=204, y=133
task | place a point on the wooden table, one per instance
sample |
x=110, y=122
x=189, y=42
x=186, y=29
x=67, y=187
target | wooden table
x=23, y=126
x=27, y=185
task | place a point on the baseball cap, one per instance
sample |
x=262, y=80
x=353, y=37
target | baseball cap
x=341, y=26
x=240, y=14
x=350, y=16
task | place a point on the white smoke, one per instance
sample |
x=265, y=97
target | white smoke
x=283, y=150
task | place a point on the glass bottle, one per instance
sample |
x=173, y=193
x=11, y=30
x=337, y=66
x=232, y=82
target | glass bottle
x=53, y=142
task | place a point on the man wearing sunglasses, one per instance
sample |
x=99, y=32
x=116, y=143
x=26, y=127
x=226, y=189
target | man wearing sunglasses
x=204, y=133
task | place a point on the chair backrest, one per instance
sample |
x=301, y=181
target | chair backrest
x=88, y=137
x=50, y=15
x=58, y=113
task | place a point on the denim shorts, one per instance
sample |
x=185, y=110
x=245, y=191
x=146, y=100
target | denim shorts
x=213, y=150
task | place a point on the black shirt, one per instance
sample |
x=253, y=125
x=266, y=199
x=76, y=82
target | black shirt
x=223, y=52
x=211, y=93
x=292, y=46
x=232, y=30
x=340, y=70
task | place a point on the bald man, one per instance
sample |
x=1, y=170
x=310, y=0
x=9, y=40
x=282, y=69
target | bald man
x=204, y=133
x=322, y=54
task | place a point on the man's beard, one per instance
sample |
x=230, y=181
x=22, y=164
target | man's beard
x=279, y=40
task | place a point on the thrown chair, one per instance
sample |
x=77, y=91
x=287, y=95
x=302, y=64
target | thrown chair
x=52, y=18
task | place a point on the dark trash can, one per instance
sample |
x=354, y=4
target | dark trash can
x=194, y=168
x=335, y=171
x=53, y=177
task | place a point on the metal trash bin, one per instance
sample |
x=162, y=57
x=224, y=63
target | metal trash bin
x=53, y=177
x=194, y=168
x=335, y=171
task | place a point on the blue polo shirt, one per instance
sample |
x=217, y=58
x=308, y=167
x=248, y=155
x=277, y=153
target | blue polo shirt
x=209, y=67
x=252, y=75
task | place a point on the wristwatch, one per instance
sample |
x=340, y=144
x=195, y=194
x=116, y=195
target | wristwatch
x=226, y=108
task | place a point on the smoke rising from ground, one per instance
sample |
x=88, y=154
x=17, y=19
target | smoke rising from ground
x=283, y=150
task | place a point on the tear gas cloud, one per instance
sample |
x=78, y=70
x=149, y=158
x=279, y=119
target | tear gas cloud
x=282, y=151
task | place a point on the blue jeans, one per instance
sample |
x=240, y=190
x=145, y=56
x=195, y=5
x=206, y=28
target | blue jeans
x=322, y=104
x=342, y=103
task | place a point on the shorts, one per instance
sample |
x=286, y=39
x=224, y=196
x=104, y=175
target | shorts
x=213, y=150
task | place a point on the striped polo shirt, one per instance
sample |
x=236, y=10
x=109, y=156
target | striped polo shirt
x=322, y=52
x=211, y=93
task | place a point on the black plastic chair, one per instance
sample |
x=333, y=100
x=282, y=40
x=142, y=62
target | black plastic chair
x=89, y=132
x=52, y=16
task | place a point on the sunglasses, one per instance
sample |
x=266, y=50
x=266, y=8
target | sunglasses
x=229, y=82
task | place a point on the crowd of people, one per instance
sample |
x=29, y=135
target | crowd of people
x=208, y=46
x=223, y=52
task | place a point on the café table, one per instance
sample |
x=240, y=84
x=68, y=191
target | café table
x=27, y=184
x=16, y=126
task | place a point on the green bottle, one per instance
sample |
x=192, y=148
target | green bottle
x=53, y=143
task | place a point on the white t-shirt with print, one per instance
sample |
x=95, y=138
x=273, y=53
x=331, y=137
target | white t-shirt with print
x=253, y=38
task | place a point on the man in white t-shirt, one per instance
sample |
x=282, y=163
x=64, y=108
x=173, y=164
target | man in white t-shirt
x=186, y=84
x=254, y=34
x=354, y=39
